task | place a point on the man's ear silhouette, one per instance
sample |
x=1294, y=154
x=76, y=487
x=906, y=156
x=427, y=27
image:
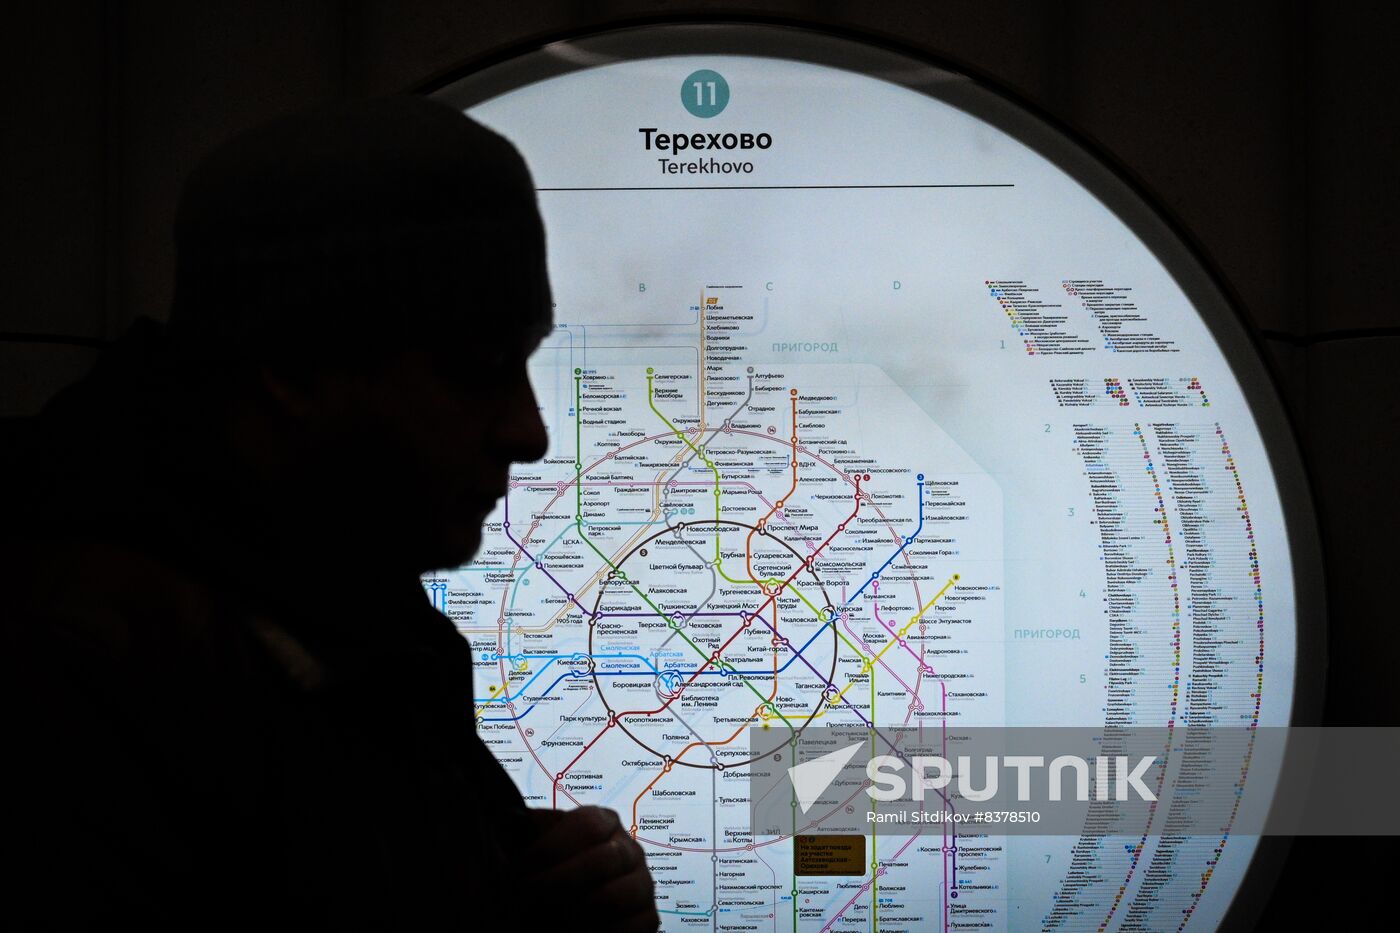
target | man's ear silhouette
x=302, y=398
x=291, y=398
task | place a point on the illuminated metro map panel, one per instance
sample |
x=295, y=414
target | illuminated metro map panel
x=862, y=410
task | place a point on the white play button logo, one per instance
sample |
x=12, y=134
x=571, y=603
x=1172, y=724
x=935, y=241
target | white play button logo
x=811, y=778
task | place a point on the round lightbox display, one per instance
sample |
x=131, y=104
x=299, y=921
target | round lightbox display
x=874, y=401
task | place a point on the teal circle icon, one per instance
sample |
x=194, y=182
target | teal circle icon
x=705, y=93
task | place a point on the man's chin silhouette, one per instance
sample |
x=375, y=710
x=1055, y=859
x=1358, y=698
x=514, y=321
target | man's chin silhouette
x=231, y=701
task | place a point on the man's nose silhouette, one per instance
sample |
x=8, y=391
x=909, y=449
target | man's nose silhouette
x=521, y=434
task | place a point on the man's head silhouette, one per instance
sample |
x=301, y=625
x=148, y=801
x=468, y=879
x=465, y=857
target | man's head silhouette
x=365, y=283
x=240, y=706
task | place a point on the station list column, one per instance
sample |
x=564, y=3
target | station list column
x=1224, y=683
x=1142, y=613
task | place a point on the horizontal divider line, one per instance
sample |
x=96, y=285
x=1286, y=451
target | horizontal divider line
x=772, y=187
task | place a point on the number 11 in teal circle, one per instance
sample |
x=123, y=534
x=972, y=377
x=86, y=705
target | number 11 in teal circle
x=705, y=93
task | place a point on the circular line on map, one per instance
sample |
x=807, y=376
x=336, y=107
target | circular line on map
x=805, y=568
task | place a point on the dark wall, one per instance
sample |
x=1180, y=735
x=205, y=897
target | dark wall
x=1268, y=129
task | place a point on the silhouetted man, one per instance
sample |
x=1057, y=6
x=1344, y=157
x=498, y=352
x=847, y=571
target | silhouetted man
x=232, y=703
